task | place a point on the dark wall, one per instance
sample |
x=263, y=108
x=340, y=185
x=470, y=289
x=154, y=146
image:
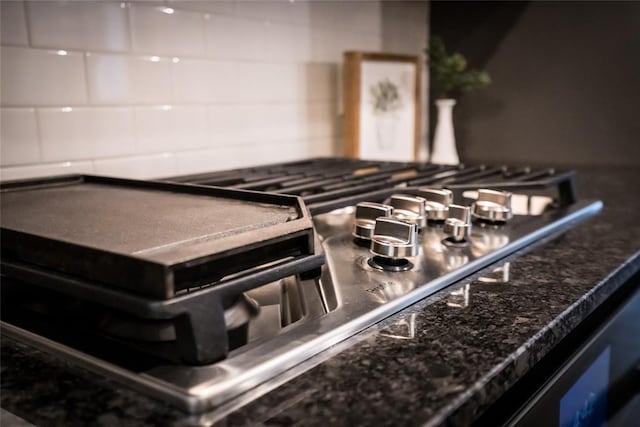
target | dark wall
x=566, y=80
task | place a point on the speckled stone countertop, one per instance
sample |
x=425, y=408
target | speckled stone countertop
x=472, y=342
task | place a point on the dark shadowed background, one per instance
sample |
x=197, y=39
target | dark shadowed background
x=566, y=80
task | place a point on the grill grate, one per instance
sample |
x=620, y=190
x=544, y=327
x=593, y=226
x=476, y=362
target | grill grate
x=329, y=183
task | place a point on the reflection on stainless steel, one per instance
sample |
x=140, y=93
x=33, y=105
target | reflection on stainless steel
x=539, y=204
x=459, y=298
x=520, y=204
x=403, y=329
x=498, y=275
x=486, y=238
x=389, y=291
x=338, y=218
x=455, y=259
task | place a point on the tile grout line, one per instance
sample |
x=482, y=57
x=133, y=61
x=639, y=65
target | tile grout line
x=27, y=23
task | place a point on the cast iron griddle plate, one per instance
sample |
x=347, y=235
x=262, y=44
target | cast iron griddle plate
x=104, y=228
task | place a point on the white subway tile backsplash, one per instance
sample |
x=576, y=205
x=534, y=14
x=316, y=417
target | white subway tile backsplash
x=300, y=12
x=229, y=37
x=354, y=16
x=407, y=14
x=233, y=124
x=189, y=127
x=85, y=25
x=41, y=77
x=321, y=147
x=330, y=45
x=153, y=128
x=264, y=82
x=141, y=167
x=190, y=80
x=161, y=30
x=18, y=136
x=13, y=23
x=360, y=41
x=288, y=43
x=259, y=124
x=218, y=6
x=362, y=17
x=208, y=160
x=326, y=46
x=272, y=153
x=111, y=130
x=225, y=121
x=236, y=156
x=109, y=78
x=372, y=43
x=320, y=120
x=44, y=169
x=320, y=81
x=119, y=79
x=323, y=15
x=171, y=128
x=274, y=10
x=198, y=80
x=264, y=10
x=150, y=79
x=84, y=133
x=154, y=88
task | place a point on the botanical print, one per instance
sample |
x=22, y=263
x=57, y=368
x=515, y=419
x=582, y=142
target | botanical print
x=385, y=96
x=387, y=110
x=385, y=100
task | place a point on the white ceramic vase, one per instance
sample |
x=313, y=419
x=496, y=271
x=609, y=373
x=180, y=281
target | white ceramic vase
x=444, y=141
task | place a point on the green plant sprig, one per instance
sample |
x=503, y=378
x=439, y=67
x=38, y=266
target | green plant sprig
x=449, y=74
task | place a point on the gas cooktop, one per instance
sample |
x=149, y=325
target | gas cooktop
x=272, y=281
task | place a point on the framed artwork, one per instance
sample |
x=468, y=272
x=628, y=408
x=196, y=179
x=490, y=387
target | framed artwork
x=382, y=106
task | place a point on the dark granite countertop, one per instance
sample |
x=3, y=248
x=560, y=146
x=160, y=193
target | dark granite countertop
x=462, y=358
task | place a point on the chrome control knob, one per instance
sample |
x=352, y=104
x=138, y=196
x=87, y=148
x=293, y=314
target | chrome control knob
x=437, y=203
x=492, y=206
x=395, y=239
x=457, y=226
x=409, y=209
x=366, y=215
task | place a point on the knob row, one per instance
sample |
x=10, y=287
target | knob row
x=411, y=209
x=431, y=205
x=393, y=228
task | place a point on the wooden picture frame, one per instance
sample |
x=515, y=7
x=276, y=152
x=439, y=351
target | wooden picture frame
x=382, y=105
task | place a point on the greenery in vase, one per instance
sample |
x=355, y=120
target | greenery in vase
x=449, y=74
